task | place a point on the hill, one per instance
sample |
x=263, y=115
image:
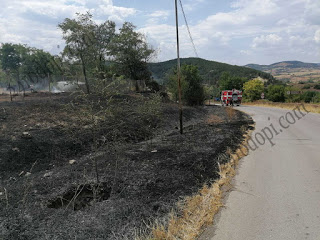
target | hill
x=293, y=71
x=210, y=71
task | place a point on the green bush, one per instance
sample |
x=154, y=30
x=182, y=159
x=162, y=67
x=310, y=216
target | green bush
x=252, y=90
x=275, y=93
x=194, y=94
x=316, y=98
x=192, y=89
x=296, y=97
x=308, y=96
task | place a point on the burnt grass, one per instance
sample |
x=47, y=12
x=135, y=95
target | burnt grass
x=144, y=165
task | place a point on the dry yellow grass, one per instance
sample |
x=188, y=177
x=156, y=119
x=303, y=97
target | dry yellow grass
x=198, y=211
x=314, y=108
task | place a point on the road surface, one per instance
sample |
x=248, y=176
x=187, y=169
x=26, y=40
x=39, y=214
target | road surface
x=277, y=189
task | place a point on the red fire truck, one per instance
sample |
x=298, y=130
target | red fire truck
x=231, y=97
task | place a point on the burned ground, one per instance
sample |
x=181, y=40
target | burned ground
x=144, y=165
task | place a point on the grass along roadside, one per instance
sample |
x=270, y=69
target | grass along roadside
x=197, y=212
x=310, y=107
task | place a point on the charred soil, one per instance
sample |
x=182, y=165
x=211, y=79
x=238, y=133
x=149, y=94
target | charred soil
x=67, y=172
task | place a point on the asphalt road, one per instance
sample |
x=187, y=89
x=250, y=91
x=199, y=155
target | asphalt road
x=276, y=192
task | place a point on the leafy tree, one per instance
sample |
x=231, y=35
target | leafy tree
x=36, y=64
x=10, y=57
x=131, y=53
x=79, y=36
x=194, y=94
x=25, y=65
x=10, y=60
x=104, y=35
x=252, y=90
x=209, y=91
x=192, y=89
x=276, y=93
x=3, y=78
x=228, y=82
x=172, y=85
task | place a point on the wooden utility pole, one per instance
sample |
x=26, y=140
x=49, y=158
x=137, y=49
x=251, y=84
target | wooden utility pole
x=178, y=68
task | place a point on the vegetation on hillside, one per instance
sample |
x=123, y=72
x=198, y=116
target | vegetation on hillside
x=291, y=71
x=209, y=71
x=288, y=64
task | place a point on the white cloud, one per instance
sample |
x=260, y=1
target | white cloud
x=317, y=36
x=34, y=22
x=263, y=28
x=266, y=40
x=245, y=52
x=157, y=16
x=191, y=5
x=249, y=31
x=160, y=14
x=256, y=8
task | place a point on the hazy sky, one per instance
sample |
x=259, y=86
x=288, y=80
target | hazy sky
x=231, y=31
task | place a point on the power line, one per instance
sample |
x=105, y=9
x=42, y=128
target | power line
x=185, y=19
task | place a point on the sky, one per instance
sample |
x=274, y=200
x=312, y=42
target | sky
x=237, y=32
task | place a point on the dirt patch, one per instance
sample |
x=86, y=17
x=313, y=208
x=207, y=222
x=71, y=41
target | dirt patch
x=143, y=173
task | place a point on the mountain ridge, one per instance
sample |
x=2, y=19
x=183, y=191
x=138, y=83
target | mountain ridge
x=294, y=71
x=209, y=70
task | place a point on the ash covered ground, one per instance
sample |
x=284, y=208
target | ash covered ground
x=72, y=172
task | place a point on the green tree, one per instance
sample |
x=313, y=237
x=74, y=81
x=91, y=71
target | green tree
x=23, y=63
x=36, y=64
x=3, y=78
x=79, y=36
x=172, y=85
x=10, y=59
x=191, y=84
x=252, y=90
x=132, y=53
x=276, y=93
x=194, y=94
x=228, y=82
x=104, y=34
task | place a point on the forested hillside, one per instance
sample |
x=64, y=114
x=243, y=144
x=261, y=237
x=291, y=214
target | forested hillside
x=210, y=71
